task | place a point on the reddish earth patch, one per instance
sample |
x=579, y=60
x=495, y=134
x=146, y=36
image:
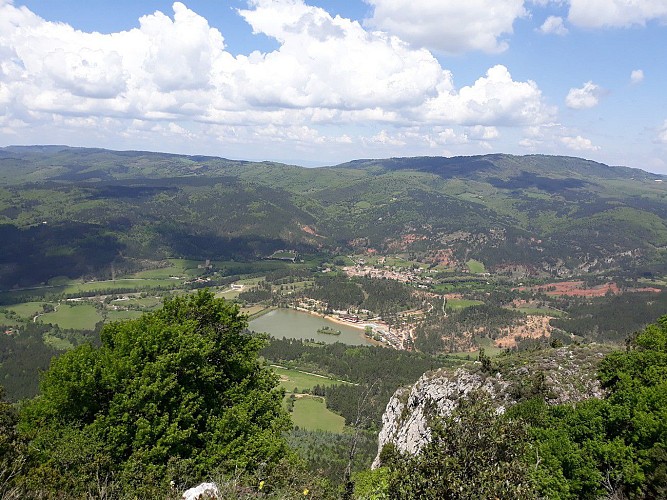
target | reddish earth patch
x=577, y=289
x=310, y=230
x=404, y=242
x=535, y=327
x=412, y=237
x=442, y=257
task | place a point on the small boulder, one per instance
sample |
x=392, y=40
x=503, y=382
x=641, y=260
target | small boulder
x=201, y=492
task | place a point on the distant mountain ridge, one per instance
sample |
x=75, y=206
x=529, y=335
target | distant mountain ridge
x=498, y=162
x=532, y=214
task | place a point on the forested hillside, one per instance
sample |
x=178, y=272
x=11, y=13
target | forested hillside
x=86, y=212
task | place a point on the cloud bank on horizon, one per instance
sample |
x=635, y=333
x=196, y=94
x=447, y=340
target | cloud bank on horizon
x=334, y=87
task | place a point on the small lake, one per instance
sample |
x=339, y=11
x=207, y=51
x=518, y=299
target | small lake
x=293, y=324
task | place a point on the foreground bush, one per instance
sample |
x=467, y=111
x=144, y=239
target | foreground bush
x=170, y=396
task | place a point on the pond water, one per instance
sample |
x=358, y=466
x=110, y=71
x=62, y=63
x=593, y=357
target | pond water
x=300, y=325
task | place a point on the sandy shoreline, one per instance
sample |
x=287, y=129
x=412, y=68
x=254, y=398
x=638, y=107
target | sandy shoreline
x=331, y=318
x=339, y=321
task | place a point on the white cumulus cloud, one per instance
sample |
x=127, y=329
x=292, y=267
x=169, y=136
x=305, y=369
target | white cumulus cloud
x=493, y=100
x=172, y=76
x=616, y=13
x=637, y=76
x=553, y=25
x=587, y=96
x=480, y=132
x=579, y=143
x=333, y=62
x=449, y=26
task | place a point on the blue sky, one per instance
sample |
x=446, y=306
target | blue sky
x=326, y=81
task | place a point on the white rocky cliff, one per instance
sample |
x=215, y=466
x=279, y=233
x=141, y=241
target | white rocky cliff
x=564, y=375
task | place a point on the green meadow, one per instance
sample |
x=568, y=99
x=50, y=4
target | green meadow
x=289, y=379
x=462, y=303
x=311, y=413
x=27, y=310
x=475, y=266
x=78, y=317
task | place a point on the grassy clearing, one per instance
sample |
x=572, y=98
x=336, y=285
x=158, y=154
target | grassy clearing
x=128, y=283
x=653, y=281
x=363, y=205
x=347, y=259
x=456, y=304
x=489, y=348
x=58, y=343
x=289, y=379
x=253, y=309
x=26, y=310
x=163, y=273
x=475, y=266
x=541, y=311
x=312, y=414
x=79, y=317
x=482, y=342
x=5, y=321
x=283, y=255
x=227, y=294
x=147, y=303
x=256, y=311
x=399, y=262
x=176, y=267
x=298, y=285
x=251, y=281
x=464, y=356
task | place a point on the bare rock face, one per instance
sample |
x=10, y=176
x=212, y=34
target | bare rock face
x=564, y=375
x=202, y=491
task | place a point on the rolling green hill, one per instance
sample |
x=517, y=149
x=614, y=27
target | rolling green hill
x=75, y=212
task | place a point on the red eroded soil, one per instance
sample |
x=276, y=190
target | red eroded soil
x=534, y=327
x=310, y=230
x=578, y=289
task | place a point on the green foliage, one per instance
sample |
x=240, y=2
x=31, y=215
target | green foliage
x=485, y=360
x=12, y=450
x=22, y=356
x=179, y=390
x=386, y=297
x=300, y=381
x=613, y=319
x=473, y=453
x=259, y=293
x=327, y=454
x=338, y=292
x=78, y=317
x=372, y=484
x=611, y=447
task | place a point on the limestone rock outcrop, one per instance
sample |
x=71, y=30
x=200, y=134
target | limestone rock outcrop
x=202, y=491
x=564, y=375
